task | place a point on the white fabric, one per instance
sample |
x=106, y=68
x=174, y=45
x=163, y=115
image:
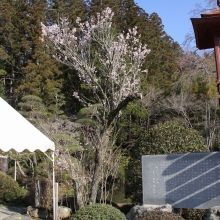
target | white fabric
x=19, y=134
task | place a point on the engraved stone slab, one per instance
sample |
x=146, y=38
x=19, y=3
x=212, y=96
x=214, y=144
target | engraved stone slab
x=182, y=180
x=4, y=163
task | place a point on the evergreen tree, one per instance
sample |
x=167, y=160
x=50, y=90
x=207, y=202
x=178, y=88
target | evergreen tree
x=29, y=68
x=13, y=41
x=40, y=75
x=70, y=9
x=2, y=84
x=32, y=108
x=133, y=122
x=162, y=61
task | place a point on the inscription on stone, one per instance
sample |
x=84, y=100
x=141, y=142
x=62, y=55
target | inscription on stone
x=3, y=163
x=182, y=180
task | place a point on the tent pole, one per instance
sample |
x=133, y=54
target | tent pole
x=54, y=192
x=15, y=175
x=54, y=200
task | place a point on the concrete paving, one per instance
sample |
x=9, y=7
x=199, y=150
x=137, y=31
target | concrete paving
x=13, y=213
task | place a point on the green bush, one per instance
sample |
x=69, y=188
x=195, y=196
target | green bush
x=9, y=189
x=98, y=212
x=170, y=137
x=193, y=214
x=159, y=215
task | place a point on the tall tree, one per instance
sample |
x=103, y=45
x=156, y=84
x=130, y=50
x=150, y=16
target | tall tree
x=110, y=70
x=40, y=75
x=13, y=41
x=162, y=62
x=66, y=8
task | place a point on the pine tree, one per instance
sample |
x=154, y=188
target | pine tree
x=32, y=108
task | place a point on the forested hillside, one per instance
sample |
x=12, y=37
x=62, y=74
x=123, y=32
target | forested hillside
x=99, y=122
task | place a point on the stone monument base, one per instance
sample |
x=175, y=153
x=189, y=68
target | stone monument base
x=140, y=209
x=211, y=214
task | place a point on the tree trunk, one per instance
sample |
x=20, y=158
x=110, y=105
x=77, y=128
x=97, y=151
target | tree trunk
x=78, y=191
x=100, y=154
x=96, y=179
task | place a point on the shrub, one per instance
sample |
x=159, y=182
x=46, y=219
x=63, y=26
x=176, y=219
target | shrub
x=159, y=215
x=170, y=137
x=193, y=214
x=98, y=212
x=9, y=189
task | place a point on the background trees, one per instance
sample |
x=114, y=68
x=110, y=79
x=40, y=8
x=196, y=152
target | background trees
x=79, y=104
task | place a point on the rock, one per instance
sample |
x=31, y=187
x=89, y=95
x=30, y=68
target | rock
x=13, y=213
x=213, y=213
x=138, y=210
x=37, y=212
x=64, y=212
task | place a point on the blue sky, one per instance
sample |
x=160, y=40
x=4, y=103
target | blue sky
x=175, y=15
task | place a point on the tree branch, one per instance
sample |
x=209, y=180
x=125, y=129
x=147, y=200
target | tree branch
x=121, y=105
x=21, y=171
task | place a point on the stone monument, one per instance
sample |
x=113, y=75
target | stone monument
x=3, y=163
x=182, y=180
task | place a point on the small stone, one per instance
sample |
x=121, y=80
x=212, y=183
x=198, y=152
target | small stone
x=37, y=212
x=64, y=212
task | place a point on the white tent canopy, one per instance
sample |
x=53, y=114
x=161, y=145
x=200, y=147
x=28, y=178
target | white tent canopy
x=19, y=134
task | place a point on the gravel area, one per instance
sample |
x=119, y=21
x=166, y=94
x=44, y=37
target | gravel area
x=13, y=213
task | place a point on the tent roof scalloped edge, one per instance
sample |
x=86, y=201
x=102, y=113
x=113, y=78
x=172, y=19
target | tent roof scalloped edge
x=19, y=134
